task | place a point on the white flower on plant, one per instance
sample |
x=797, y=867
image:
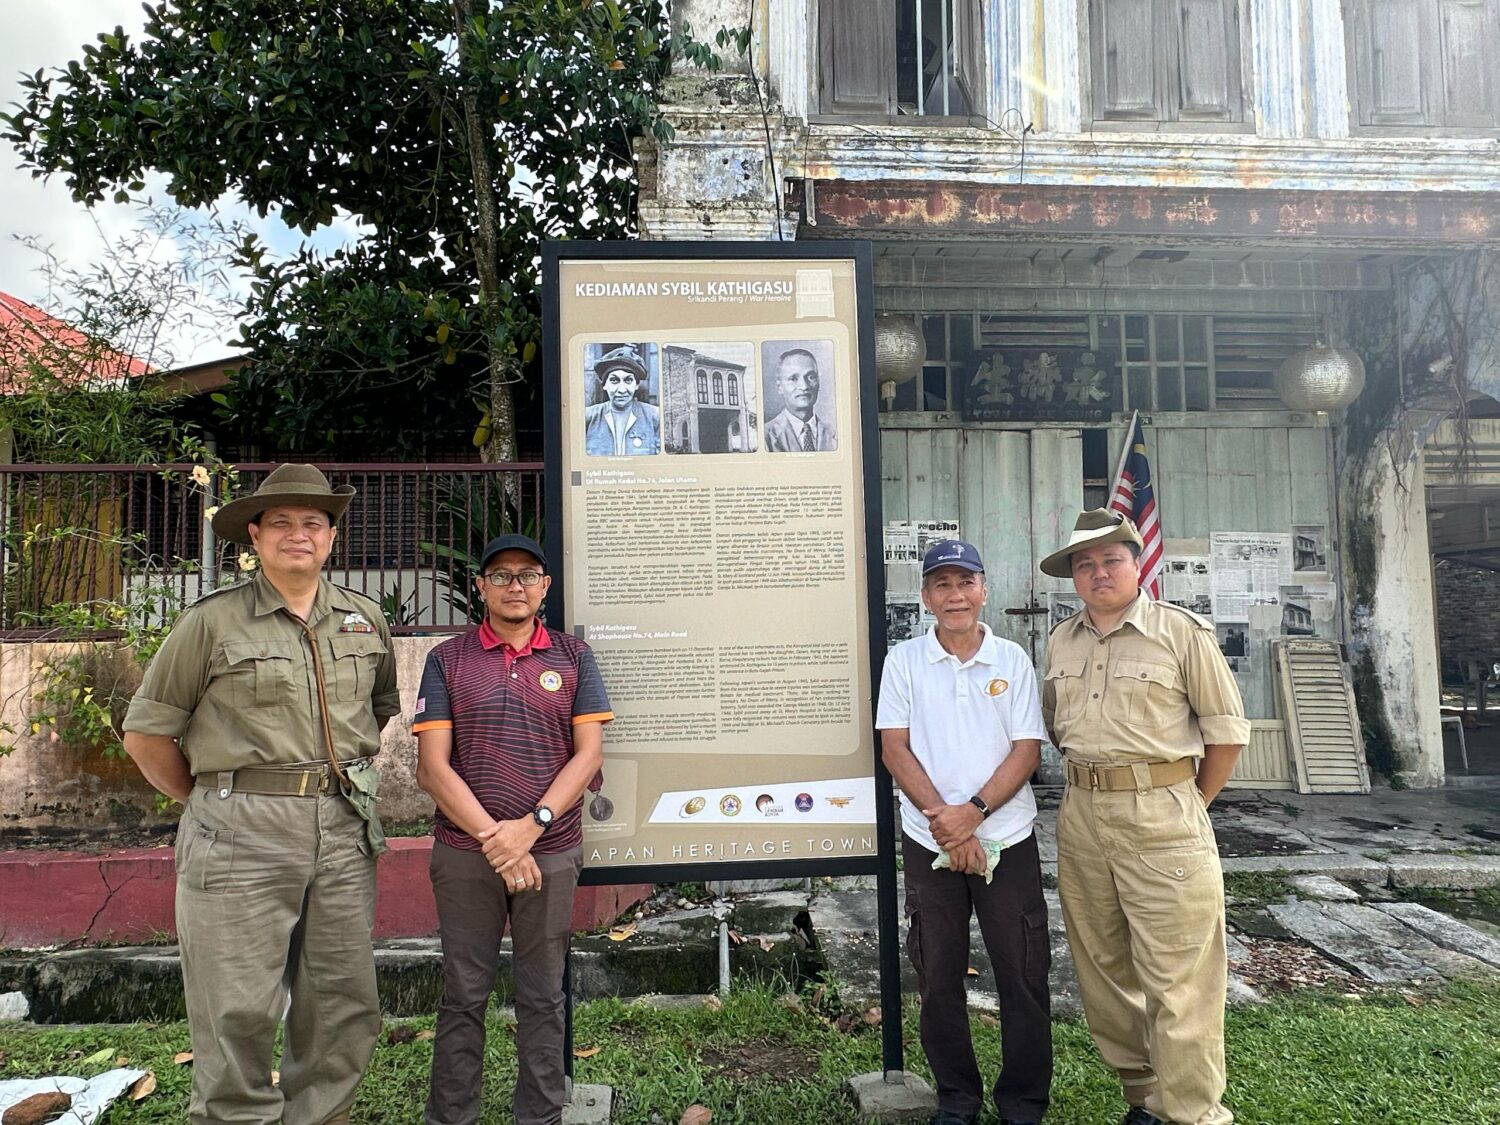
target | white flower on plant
x=210, y=513
x=200, y=474
x=247, y=560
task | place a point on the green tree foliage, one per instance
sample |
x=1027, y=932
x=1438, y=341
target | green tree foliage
x=458, y=136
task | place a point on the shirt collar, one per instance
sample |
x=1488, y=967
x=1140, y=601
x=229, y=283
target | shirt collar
x=268, y=599
x=1135, y=615
x=985, y=654
x=540, y=639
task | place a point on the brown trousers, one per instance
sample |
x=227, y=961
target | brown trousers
x=473, y=906
x=275, y=904
x=1013, y=921
x=1143, y=898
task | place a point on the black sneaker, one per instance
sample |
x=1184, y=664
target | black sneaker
x=948, y=1117
x=1139, y=1115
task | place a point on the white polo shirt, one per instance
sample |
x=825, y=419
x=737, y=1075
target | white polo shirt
x=962, y=719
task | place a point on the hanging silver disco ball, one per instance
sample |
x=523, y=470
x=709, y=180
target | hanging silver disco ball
x=1320, y=378
x=900, y=348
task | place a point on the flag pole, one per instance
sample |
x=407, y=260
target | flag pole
x=1124, y=456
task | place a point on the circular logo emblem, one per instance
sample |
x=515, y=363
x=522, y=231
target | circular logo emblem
x=601, y=807
x=730, y=805
x=694, y=806
x=997, y=687
x=804, y=802
x=550, y=681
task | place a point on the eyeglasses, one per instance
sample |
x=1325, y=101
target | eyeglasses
x=503, y=578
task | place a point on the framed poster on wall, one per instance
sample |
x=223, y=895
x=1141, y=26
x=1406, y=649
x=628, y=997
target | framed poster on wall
x=712, y=523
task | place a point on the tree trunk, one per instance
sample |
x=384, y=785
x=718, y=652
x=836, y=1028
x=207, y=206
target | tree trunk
x=479, y=132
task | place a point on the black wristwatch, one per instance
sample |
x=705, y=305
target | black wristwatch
x=542, y=815
x=978, y=802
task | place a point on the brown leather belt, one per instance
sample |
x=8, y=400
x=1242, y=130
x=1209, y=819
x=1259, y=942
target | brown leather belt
x=1094, y=776
x=304, y=781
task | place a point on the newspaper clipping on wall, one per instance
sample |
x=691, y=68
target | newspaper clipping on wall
x=714, y=517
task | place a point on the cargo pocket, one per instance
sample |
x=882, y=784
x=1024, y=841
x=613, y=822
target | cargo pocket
x=355, y=656
x=1151, y=690
x=260, y=672
x=205, y=857
x=914, y=941
x=1038, y=945
x=1178, y=897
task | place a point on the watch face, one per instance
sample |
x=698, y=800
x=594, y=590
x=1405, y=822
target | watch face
x=544, y=815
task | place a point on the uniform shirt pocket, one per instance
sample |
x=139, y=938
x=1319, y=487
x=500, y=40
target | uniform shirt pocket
x=355, y=658
x=1151, y=689
x=1065, y=678
x=259, y=672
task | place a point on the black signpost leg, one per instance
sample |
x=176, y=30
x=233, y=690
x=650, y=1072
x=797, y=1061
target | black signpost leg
x=892, y=1053
x=568, y=1015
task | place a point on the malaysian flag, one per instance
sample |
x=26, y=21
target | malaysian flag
x=1132, y=496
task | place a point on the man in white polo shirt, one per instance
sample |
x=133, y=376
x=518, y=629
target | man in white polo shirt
x=961, y=732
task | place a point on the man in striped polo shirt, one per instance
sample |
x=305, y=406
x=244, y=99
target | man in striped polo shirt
x=509, y=723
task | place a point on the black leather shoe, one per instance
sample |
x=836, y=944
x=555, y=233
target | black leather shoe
x=948, y=1117
x=1011, y=1121
x=1141, y=1116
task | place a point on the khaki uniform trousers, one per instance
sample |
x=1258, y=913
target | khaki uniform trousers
x=1143, y=900
x=276, y=896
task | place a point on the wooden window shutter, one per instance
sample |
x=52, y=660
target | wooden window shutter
x=1323, y=731
x=1207, y=60
x=1468, y=51
x=857, y=57
x=1125, y=40
x=1388, y=62
x=970, y=62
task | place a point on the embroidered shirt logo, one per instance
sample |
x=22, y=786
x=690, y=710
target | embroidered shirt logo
x=997, y=687
x=550, y=681
x=421, y=705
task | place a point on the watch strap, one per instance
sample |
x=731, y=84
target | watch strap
x=978, y=802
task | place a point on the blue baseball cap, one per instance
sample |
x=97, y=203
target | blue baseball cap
x=951, y=552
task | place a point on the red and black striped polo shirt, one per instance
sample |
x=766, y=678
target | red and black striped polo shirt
x=512, y=714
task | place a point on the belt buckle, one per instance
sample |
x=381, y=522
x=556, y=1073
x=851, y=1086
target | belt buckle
x=324, y=778
x=1093, y=776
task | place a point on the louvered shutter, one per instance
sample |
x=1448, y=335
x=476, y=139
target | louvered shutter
x=1328, y=753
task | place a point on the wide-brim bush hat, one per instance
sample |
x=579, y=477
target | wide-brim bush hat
x=287, y=486
x=1093, y=528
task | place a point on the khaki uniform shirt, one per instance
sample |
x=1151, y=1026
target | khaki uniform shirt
x=234, y=681
x=1155, y=687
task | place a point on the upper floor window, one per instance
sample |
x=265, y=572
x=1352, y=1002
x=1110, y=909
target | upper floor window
x=1166, y=60
x=703, y=386
x=718, y=389
x=1425, y=63
x=910, y=58
x=734, y=391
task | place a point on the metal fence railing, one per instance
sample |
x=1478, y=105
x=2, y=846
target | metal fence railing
x=80, y=542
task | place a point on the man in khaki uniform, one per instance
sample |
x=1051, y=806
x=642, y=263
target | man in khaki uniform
x=262, y=714
x=1148, y=716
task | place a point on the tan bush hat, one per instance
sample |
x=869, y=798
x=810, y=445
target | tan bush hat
x=287, y=486
x=1091, y=529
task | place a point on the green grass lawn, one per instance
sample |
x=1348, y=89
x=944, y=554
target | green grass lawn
x=1307, y=1059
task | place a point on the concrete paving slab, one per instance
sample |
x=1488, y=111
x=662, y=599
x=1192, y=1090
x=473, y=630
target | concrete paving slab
x=1447, y=932
x=1459, y=872
x=1347, y=946
x=892, y=1097
x=1325, y=888
x=589, y=1105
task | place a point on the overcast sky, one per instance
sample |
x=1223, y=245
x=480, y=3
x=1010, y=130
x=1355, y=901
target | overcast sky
x=48, y=33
